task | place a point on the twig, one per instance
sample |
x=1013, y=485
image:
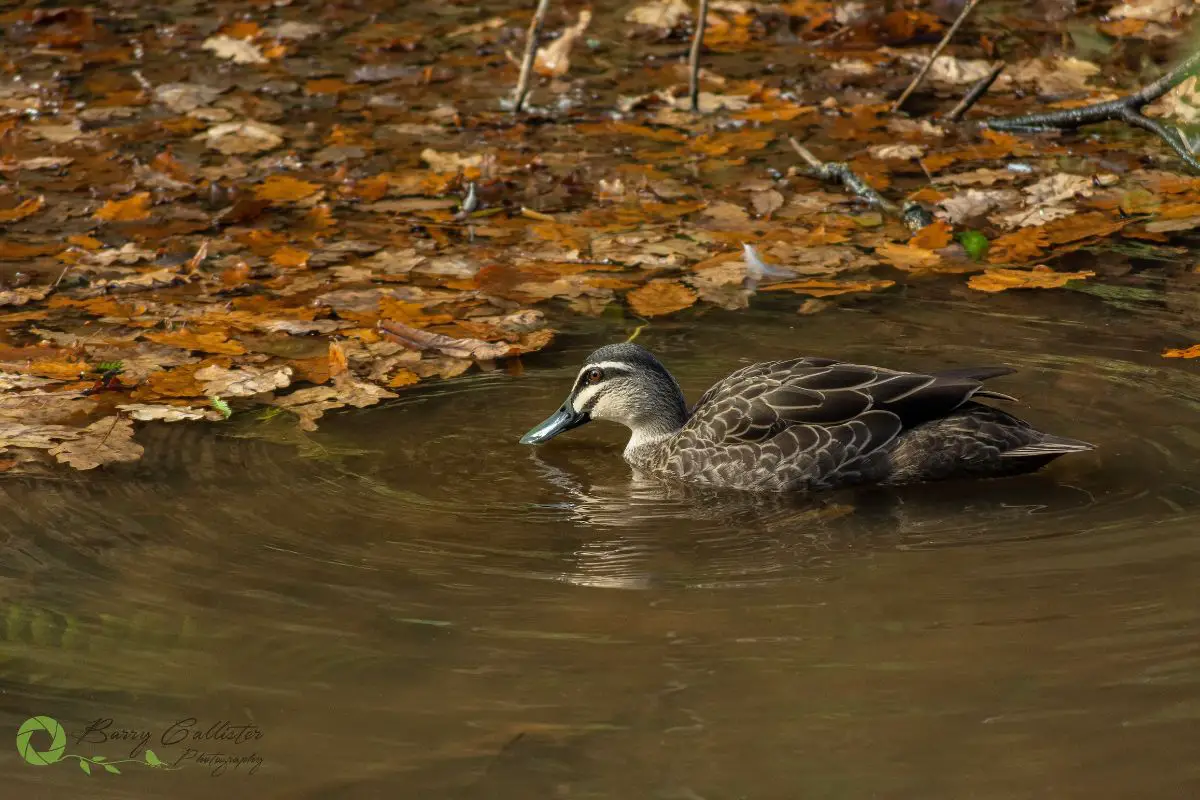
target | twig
x=977, y=91
x=911, y=214
x=531, y=43
x=1124, y=109
x=937, y=51
x=694, y=56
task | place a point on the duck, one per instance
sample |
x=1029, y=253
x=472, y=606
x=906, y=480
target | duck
x=804, y=424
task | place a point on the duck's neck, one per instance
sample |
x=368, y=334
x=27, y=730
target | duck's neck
x=647, y=434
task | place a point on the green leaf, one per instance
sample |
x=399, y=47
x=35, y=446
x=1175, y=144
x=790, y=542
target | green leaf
x=99, y=758
x=152, y=759
x=110, y=768
x=86, y=767
x=110, y=367
x=222, y=406
x=975, y=243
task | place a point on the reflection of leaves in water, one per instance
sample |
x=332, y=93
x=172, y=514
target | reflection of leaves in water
x=1126, y=298
x=275, y=427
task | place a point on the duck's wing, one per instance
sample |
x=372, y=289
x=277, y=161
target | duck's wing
x=757, y=403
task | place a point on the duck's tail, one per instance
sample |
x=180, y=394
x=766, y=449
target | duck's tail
x=1048, y=447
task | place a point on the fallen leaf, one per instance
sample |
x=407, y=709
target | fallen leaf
x=239, y=51
x=25, y=208
x=39, y=437
x=553, y=60
x=208, y=342
x=248, y=136
x=106, y=441
x=998, y=279
x=286, y=189
x=934, y=236
x=818, y=288
x=660, y=297
x=131, y=209
x=242, y=381
x=416, y=339
x=1186, y=352
x=907, y=257
x=162, y=413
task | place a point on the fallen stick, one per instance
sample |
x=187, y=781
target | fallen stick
x=977, y=91
x=937, y=51
x=694, y=56
x=1124, y=109
x=913, y=215
x=531, y=42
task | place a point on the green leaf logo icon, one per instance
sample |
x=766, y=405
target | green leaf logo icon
x=48, y=726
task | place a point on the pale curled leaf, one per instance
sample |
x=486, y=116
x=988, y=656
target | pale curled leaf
x=239, y=51
x=417, y=339
x=242, y=381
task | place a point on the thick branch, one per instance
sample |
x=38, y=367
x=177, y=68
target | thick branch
x=912, y=214
x=937, y=51
x=694, y=56
x=531, y=43
x=1124, y=109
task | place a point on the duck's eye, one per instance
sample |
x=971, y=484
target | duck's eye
x=593, y=375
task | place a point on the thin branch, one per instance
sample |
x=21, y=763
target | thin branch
x=937, y=51
x=694, y=56
x=912, y=215
x=977, y=91
x=1124, y=109
x=531, y=43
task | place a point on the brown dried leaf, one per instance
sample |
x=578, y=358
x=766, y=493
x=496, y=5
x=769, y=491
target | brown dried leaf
x=660, y=297
x=105, y=441
x=416, y=339
x=25, y=208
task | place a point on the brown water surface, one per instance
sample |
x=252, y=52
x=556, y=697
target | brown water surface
x=409, y=603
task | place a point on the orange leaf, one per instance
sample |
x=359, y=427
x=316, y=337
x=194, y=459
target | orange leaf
x=290, y=257
x=998, y=279
x=933, y=236
x=207, y=342
x=817, y=288
x=1019, y=246
x=25, y=209
x=60, y=370
x=403, y=377
x=327, y=86
x=1187, y=352
x=907, y=257
x=84, y=241
x=241, y=29
x=660, y=297
x=128, y=210
x=338, y=364
x=285, y=188
x=629, y=129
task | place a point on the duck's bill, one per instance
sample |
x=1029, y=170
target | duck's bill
x=562, y=420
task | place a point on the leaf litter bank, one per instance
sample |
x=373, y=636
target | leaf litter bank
x=262, y=205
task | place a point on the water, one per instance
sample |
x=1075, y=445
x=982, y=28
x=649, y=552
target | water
x=409, y=603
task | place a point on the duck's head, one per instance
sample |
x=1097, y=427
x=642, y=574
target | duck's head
x=622, y=383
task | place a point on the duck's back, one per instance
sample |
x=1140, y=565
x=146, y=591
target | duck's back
x=813, y=423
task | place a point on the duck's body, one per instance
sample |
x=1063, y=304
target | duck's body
x=807, y=423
